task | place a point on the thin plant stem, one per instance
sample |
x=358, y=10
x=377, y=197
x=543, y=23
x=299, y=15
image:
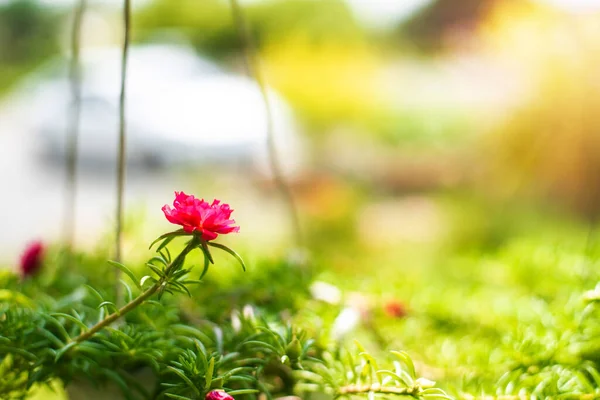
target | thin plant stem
x=145, y=295
x=75, y=77
x=254, y=71
x=121, y=312
x=375, y=388
x=122, y=147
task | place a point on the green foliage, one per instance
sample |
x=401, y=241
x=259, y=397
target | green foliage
x=75, y=337
x=28, y=36
x=208, y=24
x=480, y=321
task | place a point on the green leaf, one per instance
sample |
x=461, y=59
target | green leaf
x=72, y=319
x=593, y=373
x=21, y=352
x=63, y=350
x=251, y=360
x=308, y=376
x=350, y=364
x=436, y=396
x=187, y=380
x=161, y=290
x=583, y=380
x=216, y=383
x=127, y=271
x=242, y=391
x=262, y=344
x=166, y=255
x=405, y=358
x=201, y=356
x=206, y=262
x=359, y=346
x=159, y=259
x=373, y=364
x=129, y=293
x=435, y=393
x=266, y=391
x=108, y=303
x=191, y=331
x=178, y=286
x=365, y=373
x=230, y=251
x=179, y=232
x=145, y=278
x=94, y=292
x=227, y=360
x=165, y=243
x=279, y=339
x=209, y=373
x=178, y=397
x=191, y=282
x=117, y=379
x=156, y=270
x=204, y=247
x=236, y=370
x=406, y=380
x=59, y=326
x=106, y=343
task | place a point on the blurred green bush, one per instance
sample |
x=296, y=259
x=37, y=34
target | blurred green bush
x=28, y=36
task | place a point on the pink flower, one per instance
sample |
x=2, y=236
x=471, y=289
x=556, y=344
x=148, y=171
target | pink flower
x=31, y=259
x=197, y=215
x=395, y=309
x=218, y=395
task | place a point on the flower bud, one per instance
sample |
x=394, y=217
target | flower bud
x=31, y=259
x=218, y=395
x=294, y=349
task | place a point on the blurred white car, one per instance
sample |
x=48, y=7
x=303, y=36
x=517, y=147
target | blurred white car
x=180, y=109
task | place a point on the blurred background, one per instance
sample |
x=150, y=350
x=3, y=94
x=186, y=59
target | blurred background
x=443, y=156
x=405, y=128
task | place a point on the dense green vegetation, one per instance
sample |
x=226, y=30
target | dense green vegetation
x=513, y=316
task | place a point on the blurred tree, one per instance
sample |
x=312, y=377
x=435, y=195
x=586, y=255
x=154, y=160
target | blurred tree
x=28, y=35
x=27, y=32
x=443, y=20
x=550, y=145
x=209, y=26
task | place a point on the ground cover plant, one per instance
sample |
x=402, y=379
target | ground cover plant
x=67, y=328
x=519, y=320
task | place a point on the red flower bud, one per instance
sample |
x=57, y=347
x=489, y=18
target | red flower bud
x=395, y=309
x=197, y=215
x=218, y=395
x=31, y=259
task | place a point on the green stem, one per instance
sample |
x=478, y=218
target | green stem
x=122, y=153
x=75, y=77
x=121, y=312
x=254, y=71
x=175, y=264
x=376, y=388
